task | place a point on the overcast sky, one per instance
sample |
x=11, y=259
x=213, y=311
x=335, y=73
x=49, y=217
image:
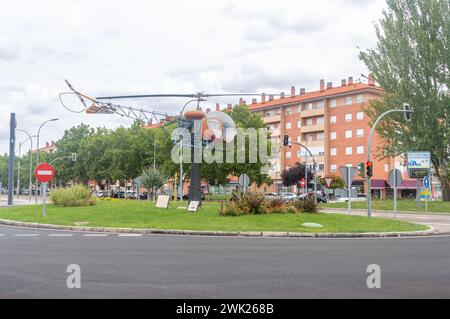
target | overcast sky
x=168, y=46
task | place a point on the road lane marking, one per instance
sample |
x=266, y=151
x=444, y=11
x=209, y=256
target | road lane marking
x=60, y=235
x=95, y=235
x=130, y=235
x=26, y=235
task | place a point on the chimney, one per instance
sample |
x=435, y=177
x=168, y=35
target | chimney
x=229, y=107
x=302, y=91
x=282, y=95
x=270, y=97
x=217, y=107
x=329, y=85
x=240, y=101
x=53, y=142
x=208, y=110
x=350, y=80
x=322, y=85
x=254, y=101
x=371, y=80
x=344, y=82
x=263, y=98
x=47, y=144
x=244, y=102
x=292, y=91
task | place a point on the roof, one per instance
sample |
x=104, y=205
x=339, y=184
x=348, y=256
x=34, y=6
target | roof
x=315, y=95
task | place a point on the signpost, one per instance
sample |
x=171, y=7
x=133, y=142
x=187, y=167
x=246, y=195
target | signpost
x=348, y=174
x=418, y=165
x=44, y=173
x=395, y=179
x=426, y=185
x=328, y=182
x=244, y=181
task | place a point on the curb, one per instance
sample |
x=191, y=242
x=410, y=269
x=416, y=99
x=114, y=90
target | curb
x=332, y=209
x=255, y=234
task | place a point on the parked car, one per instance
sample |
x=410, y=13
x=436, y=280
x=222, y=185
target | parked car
x=321, y=197
x=270, y=196
x=359, y=198
x=289, y=197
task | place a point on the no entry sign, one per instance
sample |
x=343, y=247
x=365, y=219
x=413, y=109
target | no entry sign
x=44, y=172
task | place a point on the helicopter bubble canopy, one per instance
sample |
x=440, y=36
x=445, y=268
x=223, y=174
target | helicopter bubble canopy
x=219, y=127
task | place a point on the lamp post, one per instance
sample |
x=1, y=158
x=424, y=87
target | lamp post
x=37, y=151
x=407, y=112
x=30, y=137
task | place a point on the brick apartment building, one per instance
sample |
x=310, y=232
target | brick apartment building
x=332, y=124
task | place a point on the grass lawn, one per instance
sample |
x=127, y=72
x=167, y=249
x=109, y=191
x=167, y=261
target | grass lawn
x=143, y=214
x=403, y=204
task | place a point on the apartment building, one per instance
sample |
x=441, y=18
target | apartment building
x=332, y=124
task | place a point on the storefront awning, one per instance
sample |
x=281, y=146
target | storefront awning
x=379, y=184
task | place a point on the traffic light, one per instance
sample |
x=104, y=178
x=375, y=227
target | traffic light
x=407, y=112
x=361, y=171
x=286, y=141
x=369, y=169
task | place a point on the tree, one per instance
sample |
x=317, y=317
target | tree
x=152, y=179
x=293, y=175
x=411, y=63
x=337, y=183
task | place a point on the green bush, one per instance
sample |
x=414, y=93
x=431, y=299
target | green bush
x=277, y=206
x=307, y=205
x=245, y=203
x=77, y=195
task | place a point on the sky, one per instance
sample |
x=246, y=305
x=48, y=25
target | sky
x=151, y=47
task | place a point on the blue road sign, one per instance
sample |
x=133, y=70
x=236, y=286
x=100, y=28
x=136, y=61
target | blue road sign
x=426, y=182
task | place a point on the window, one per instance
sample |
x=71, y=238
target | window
x=360, y=116
x=321, y=167
x=299, y=124
x=288, y=154
x=360, y=150
x=308, y=106
x=360, y=98
x=360, y=132
x=319, y=120
x=299, y=154
x=270, y=113
x=319, y=105
x=308, y=137
x=270, y=128
x=348, y=117
x=332, y=135
x=333, y=103
x=288, y=125
x=333, y=168
x=348, y=150
x=333, y=119
x=333, y=151
x=386, y=168
x=288, y=110
x=299, y=139
x=348, y=134
x=309, y=121
x=319, y=136
x=348, y=100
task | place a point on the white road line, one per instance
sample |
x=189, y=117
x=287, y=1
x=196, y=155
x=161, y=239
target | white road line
x=2, y=235
x=129, y=235
x=438, y=224
x=60, y=235
x=26, y=235
x=95, y=235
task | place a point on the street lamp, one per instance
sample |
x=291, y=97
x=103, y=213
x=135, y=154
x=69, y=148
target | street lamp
x=37, y=151
x=30, y=137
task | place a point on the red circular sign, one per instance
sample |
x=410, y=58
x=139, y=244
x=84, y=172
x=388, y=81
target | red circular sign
x=44, y=172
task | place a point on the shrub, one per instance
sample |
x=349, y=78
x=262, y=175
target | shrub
x=77, y=195
x=277, y=206
x=245, y=203
x=307, y=205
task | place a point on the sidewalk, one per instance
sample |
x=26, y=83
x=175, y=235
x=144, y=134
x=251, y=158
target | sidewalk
x=440, y=222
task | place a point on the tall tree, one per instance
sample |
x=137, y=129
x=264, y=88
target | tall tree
x=293, y=175
x=411, y=63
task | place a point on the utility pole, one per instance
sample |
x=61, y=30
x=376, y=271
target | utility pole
x=12, y=143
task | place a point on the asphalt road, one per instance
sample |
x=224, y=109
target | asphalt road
x=33, y=265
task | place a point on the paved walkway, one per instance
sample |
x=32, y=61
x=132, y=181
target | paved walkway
x=440, y=222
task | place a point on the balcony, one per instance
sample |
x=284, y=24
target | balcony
x=313, y=112
x=313, y=128
x=272, y=119
x=311, y=143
